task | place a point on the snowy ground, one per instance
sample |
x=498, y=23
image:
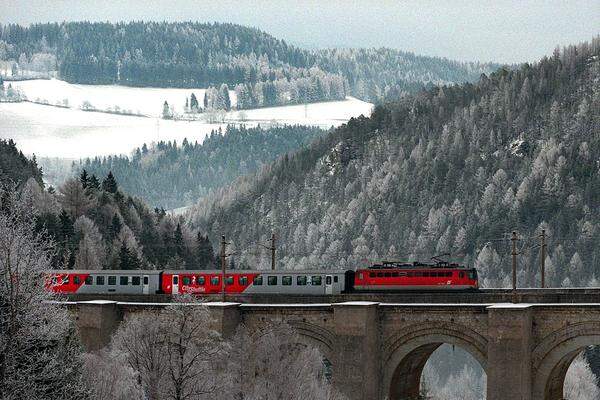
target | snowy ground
x=147, y=101
x=50, y=131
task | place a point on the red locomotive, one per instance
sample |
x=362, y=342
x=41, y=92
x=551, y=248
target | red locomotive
x=395, y=276
x=387, y=276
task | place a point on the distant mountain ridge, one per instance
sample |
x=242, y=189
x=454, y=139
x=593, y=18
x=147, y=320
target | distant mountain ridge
x=265, y=70
x=453, y=169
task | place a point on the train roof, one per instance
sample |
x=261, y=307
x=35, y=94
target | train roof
x=417, y=265
x=259, y=271
x=195, y=272
x=105, y=271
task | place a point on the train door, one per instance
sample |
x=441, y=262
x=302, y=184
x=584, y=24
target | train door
x=175, y=285
x=328, y=284
x=145, y=284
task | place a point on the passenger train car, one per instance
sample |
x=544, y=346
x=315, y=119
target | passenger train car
x=387, y=277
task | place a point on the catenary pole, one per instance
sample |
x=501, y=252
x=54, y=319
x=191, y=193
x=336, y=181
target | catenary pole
x=223, y=255
x=543, y=257
x=514, y=261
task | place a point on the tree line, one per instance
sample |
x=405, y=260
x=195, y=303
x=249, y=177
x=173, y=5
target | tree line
x=262, y=69
x=171, y=175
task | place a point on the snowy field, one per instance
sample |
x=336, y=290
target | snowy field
x=146, y=101
x=71, y=133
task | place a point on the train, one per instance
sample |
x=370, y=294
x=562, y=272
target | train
x=387, y=276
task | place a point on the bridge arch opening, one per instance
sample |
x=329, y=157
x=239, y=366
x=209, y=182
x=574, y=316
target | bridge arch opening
x=573, y=376
x=438, y=371
x=561, y=368
x=403, y=374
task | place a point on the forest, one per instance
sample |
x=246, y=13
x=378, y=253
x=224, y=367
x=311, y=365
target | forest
x=450, y=170
x=172, y=175
x=261, y=69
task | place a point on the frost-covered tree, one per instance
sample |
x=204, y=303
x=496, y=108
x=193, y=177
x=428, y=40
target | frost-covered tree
x=257, y=359
x=580, y=381
x=175, y=354
x=109, y=377
x=39, y=350
x=74, y=199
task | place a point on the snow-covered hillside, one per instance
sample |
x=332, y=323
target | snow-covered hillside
x=72, y=133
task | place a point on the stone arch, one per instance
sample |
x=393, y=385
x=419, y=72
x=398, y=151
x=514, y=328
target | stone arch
x=553, y=356
x=316, y=336
x=408, y=351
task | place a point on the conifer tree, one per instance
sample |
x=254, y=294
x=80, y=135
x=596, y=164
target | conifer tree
x=94, y=183
x=205, y=252
x=84, y=179
x=193, y=103
x=115, y=226
x=109, y=184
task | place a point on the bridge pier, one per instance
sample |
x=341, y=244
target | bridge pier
x=356, y=366
x=96, y=321
x=226, y=317
x=509, y=352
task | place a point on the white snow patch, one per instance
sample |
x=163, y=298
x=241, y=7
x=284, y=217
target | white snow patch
x=49, y=131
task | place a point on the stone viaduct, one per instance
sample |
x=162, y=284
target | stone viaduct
x=378, y=350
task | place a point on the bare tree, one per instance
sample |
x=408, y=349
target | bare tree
x=140, y=339
x=39, y=351
x=175, y=353
x=191, y=349
x=271, y=364
x=110, y=378
x=91, y=250
x=74, y=199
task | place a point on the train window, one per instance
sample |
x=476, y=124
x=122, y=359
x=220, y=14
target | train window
x=123, y=280
x=175, y=280
x=410, y=274
x=54, y=280
x=135, y=280
x=315, y=280
x=214, y=280
x=371, y=274
x=425, y=274
x=271, y=280
x=402, y=274
x=328, y=280
x=65, y=280
x=335, y=279
x=461, y=274
x=228, y=280
x=200, y=280
x=112, y=280
x=418, y=274
x=388, y=274
x=360, y=277
x=243, y=280
x=186, y=280
x=449, y=274
x=301, y=280
x=472, y=274
x=89, y=280
x=380, y=274
x=257, y=281
x=394, y=274
x=145, y=280
x=76, y=280
x=99, y=280
x=286, y=280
